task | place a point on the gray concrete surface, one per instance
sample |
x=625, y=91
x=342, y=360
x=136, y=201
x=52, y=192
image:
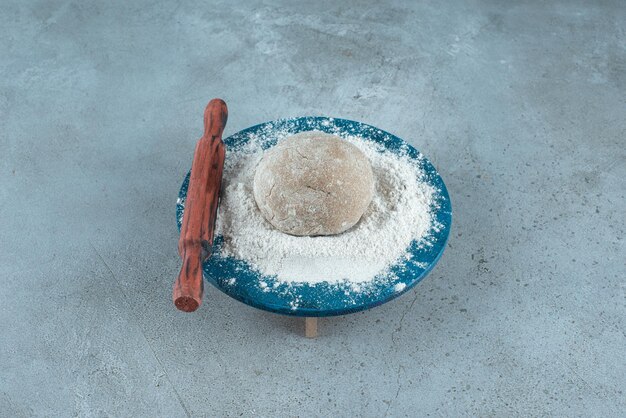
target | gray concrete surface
x=520, y=105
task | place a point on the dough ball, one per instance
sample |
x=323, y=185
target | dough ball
x=313, y=183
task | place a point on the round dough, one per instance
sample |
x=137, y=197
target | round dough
x=313, y=183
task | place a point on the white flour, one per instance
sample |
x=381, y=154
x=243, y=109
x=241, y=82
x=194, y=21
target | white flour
x=400, y=212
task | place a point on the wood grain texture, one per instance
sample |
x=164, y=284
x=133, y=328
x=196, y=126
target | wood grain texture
x=196, y=235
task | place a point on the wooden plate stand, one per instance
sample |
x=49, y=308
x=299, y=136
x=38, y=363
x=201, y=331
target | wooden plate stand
x=310, y=327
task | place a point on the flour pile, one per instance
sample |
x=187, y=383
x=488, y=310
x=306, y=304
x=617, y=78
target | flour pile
x=401, y=211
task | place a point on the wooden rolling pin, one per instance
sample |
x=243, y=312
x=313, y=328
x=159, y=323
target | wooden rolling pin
x=196, y=233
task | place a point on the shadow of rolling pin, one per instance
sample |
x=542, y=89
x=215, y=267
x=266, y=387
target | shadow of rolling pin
x=196, y=234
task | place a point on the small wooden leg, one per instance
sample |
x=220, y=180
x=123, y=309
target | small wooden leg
x=310, y=327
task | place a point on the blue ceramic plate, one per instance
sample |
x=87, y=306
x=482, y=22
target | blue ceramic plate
x=238, y=280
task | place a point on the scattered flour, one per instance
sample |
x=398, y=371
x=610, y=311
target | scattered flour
x=400, y=212
x=399, y=287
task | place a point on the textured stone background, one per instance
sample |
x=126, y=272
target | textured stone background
x=521, y=106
